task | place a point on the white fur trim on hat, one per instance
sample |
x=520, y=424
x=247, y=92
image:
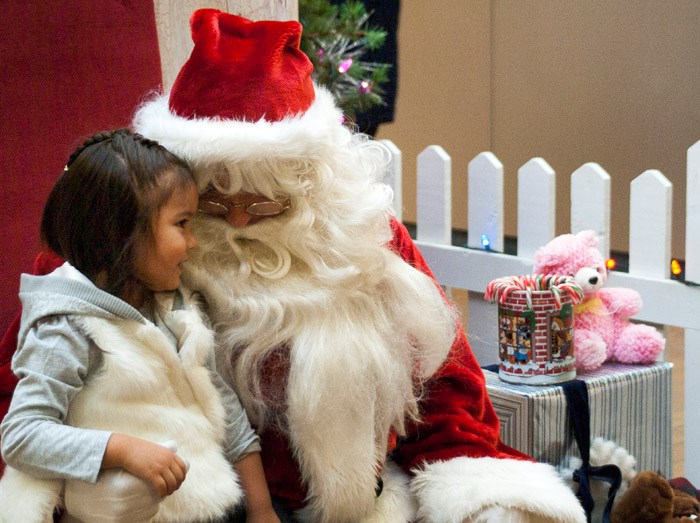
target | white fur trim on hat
x=465, y=488
x=211, y=140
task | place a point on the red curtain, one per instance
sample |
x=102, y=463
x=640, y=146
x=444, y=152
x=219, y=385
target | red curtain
x=69, y=69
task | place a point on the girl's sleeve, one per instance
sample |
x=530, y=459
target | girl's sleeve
x=241, y=438
x=51, y=367
x=44, y=263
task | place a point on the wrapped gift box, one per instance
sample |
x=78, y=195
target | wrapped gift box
x=629, y=404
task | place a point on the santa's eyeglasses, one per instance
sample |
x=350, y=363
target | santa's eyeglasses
x=263, y=208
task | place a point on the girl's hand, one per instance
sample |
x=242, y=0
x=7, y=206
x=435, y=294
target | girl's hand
x=156, y=464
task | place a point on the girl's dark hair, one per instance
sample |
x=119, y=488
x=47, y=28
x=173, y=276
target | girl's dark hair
x=102, y=203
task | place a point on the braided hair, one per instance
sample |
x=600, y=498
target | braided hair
x=102, y=203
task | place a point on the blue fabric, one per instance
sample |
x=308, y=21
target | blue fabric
x=579, y=415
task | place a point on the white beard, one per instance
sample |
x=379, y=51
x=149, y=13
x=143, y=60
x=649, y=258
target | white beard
x=362, y=328
x=359, y=347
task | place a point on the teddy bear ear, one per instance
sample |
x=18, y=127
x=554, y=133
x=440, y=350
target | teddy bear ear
x=588, y=237
x=550, y=255
x=539, y=258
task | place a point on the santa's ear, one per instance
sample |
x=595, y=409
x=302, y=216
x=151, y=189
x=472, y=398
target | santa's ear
x=588, y=237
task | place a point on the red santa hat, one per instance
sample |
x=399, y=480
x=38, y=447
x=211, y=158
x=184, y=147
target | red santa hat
x=245, y=93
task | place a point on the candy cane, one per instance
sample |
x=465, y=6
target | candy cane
x=499, y=289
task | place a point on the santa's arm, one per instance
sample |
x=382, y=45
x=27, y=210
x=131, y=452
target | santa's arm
x=458, y=463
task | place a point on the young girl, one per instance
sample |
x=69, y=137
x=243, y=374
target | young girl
x=115, y=364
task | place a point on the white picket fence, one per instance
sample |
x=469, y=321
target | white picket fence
x=666, y=301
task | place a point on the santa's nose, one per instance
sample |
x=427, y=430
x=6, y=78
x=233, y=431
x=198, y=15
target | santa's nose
x=238, y=217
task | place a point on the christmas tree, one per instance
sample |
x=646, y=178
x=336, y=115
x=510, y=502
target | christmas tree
x=335, y=38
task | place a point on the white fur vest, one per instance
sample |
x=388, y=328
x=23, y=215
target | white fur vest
x=147, y=389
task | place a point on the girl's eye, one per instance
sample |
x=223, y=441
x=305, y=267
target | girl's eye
x=183, y=223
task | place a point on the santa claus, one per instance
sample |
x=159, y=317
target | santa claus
x=346, y=355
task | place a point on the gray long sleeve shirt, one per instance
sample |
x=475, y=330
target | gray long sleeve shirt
x=53, y=361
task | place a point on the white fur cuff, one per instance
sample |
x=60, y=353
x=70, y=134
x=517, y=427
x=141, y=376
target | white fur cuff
x=462, y=489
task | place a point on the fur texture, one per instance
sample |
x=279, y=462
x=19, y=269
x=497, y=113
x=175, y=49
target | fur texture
x=27, y=499
x=330, y=338
x=602, y=331
x=603, y=452
x=357, y=354
x=462, y=489
x=148, y=390
x=651, y=499
x=206, y=142
x=395, y=505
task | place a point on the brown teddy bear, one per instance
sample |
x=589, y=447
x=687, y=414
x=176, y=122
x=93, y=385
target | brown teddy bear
x=650, y=498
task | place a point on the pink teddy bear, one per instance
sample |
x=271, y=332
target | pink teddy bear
x=602, y=331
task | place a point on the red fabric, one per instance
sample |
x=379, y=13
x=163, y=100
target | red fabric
x=70, y=68
x=243, y=70
x=457, y=416
x=44, y=263
x=684, y=485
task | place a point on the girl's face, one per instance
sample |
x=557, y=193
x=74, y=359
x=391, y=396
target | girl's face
x=159, y=260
